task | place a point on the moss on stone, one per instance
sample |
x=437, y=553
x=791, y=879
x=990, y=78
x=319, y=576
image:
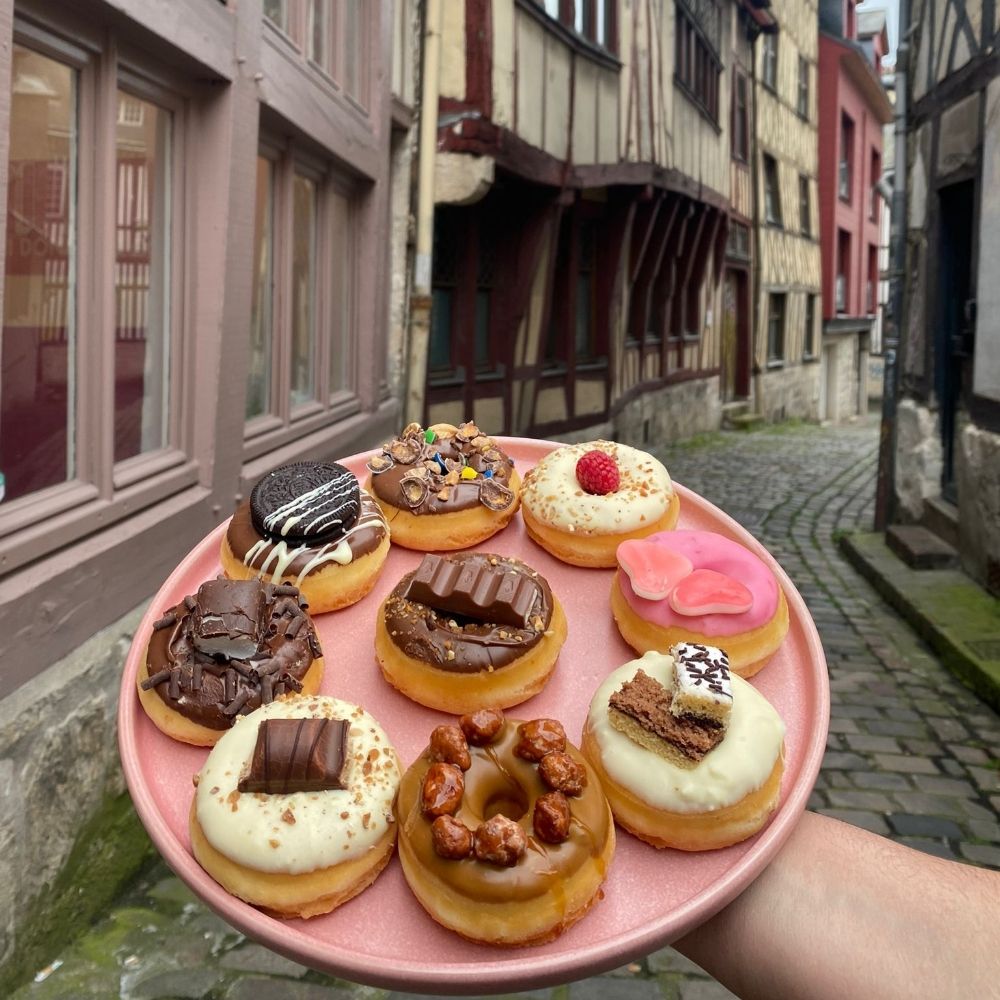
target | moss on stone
x=110, y=850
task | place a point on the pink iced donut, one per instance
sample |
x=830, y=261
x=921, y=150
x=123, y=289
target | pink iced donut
x=697, y=586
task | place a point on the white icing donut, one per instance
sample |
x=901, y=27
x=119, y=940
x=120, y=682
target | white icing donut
x=554, y=497
x=300, y=831
x=740, y=764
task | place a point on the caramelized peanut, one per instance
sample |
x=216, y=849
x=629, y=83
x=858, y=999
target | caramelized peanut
x=539, y=737
x=559, y=771
x=551, y=817
x=448, y=744
x=481, y=727
x=444, y=785
x=500, y=841
x=452, y=838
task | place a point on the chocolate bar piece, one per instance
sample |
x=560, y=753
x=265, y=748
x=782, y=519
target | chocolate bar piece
x=475, y=589
x=641, y=710
x=297, y=755
x=228, y=618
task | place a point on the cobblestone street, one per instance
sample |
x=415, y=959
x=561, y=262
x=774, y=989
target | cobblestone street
x=911, y=753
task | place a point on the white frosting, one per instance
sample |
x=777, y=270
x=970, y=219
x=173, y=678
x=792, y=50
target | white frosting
x=555, y=498
x=329, y=827
x=740, y=764
x=702, y=682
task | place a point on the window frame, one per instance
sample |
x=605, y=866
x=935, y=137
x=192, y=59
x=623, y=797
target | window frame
x=802, y=93
x=845, y=162
x=697, y=66
x=773, y=214
x=740, y=125
x=776, y=351
x=809, y=328
x=805, y=206
x=102, y=491
x=769, y=62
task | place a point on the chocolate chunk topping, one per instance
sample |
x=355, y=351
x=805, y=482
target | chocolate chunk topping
x=228, y=618
x=165, y=622
x=646, y=702
x=476, y=590
x=298, y=755
x=306, y=503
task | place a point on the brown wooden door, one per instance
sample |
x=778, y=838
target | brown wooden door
x=730, y=334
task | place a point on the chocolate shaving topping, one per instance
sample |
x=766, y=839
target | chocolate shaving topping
x=170, y=618
x=158, y=678
x=174, y=687
x=266, y=690
x=294, y=626
x=298, y=755
x=238, y=702
x=285, y=590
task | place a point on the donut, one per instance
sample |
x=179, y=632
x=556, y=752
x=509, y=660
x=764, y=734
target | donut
x=689, y=755
x=293, y=807
x=505, y=835
x=220, y=654
x=444, y=488
x=624, y=493
x=468, y=630
x=310, y=524
x=699, y=586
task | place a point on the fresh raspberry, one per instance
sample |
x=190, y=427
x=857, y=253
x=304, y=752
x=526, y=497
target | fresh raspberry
x=598, y=473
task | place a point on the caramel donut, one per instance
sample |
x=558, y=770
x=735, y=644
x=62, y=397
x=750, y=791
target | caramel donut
x=440, y=649
x=309, y=524
x=444, y=488
x=585, y=529
x=222, y=653
x=504, y=832
x=749, y=637
x=297, y=820
x=724, y=798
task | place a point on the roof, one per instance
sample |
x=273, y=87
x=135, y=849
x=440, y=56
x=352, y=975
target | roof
x=858, y=66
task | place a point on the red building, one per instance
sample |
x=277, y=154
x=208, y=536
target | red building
x=853, y=107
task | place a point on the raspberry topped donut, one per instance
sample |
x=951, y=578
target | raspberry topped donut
x=221, y=653
x=469, y=630
x=505, y=835
x=699, y=586
x=445, y=487
x=581, y=501
x=309, y=524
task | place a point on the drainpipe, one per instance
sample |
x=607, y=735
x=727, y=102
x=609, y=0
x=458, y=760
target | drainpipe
x=420, y=296
x=885, y=493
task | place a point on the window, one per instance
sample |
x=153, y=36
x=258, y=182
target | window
x=741, y=119
x=301, y=324
x=775, y=328
x=802, y=100
x=769, y=66
x=696, y=64
x=876, y=173
x=592, y=19
x=871, y=292
x=772, y=191
x=738, y=240
x=809, y=331
x=805, y=210
x=846, y=157
x=842, y=289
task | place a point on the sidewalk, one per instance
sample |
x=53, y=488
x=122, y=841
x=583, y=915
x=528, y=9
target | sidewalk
x=912, y=753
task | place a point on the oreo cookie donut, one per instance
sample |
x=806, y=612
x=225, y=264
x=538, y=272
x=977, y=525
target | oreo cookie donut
x=309, y=524
x=505, y=835
x=469, y=630
x=445, y=487
x=293, y=808
x=221, y=653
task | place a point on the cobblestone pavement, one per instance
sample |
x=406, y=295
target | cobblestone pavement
x=911, y=755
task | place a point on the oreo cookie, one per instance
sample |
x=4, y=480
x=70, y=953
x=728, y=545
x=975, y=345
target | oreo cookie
x=306, y=503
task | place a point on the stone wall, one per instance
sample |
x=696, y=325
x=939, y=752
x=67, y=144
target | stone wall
x=672, y=413
x=978, y=474
x=791, y=392
x=918, y=458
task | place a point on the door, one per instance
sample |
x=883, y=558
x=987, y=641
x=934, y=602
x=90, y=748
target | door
x=953, y=338
x=735, y=356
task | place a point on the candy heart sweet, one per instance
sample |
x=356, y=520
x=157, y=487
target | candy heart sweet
x=652, y=569
x=706, y=592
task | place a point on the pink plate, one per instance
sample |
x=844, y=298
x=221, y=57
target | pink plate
x=383, y=937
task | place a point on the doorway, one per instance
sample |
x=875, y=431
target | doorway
x=735, y=361
x=953, y=335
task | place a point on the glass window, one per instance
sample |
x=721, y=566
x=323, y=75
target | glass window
x=142, y=276
x=846, y=157
x=802, y=105
x=318, y=32
x=696, y=65
x=741, y=127
x=277, y=11
x=38, y=347
x=772, y=191
x=809, y=333
x=261, y=309
x=805, y=211
x=769, y=74
x=303, y=359
x=341, y=286
x=776, y=327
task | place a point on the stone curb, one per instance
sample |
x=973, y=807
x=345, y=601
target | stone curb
x=956, y=617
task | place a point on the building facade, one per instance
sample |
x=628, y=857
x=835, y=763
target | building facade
x=853, y=107
x=947, y=425
x=582, y=192
x=788, y=302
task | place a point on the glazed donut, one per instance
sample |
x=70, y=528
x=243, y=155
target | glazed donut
x=699, y=586
x=309, y=524
x=444, y=488
x=235, y=645
x=648, y=759
x=469, y=630
x=293, y=808
x=584, y=528
x=505, y=835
